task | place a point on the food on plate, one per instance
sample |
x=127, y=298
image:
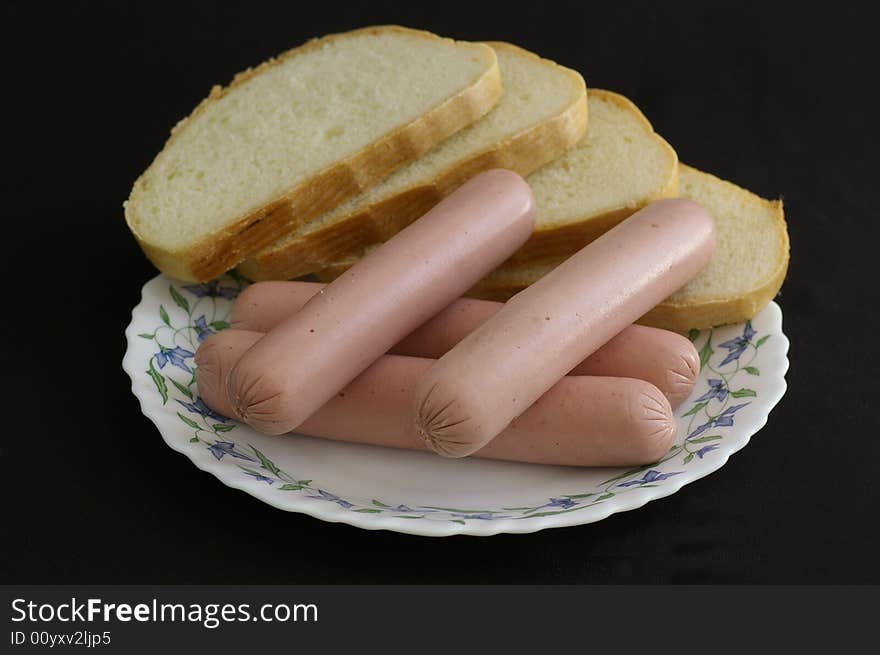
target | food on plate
x=666, y=359
x=297, y=136
x=311, y=355
x=492, y=375
x=322, y=161
x=580, y=421
x=542, y=113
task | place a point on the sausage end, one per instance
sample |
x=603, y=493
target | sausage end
x=654, y=413
x=258, y=401
x=682, y=375
x=209, y=376
x=439, y=423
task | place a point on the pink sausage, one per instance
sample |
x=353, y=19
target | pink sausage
x=581, y=421
x=667, y=360
x=501, y=368
x=311, y=355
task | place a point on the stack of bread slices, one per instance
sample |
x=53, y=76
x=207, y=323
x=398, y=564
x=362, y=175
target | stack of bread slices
x=303, y=164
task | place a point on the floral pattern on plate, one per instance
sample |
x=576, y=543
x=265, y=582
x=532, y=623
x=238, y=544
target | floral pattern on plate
x=741, y=378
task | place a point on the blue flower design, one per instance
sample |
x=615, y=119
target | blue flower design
x=564, y=503
x=221, y=448
x=482, y=516
x=717, y=389
x=737, y=346
x=202, y=329
x=724, y=419
x=325, y=495
x=212, y=289
x=404, y=509
x=175, y=356
x=259, y=477
x=705, y=449
x=199, y=407
x=650, y=476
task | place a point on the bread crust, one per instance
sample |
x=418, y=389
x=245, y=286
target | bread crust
x=523, y=153
x=223, y=249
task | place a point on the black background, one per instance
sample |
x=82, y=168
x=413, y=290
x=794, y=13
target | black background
x=778, y=98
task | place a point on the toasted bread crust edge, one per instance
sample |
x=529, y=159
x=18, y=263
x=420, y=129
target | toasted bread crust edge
x=550, y=242
x=523, y=153
x=226, y=247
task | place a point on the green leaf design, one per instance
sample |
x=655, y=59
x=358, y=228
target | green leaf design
x=144, y=335
x=378, y=503
x=696, y=408
x=188, y=421
x=179, y=300
x=751, y=370
x=605, y=496
x=221, y=427
x=762, y=340
x=744, y=393
x=290, y=487
x=164, y=315
x=626, y=474
x=458, y=521
x=219, y=325
x=368, y=510
x=194, y=439
x=409, y=516
x=693, y=334
x=688, y=458
x=576, y=496
x=182, y=389
x=159, y=381
x=706, y=352
x=555, y=512
x=537, y=514
x=304, y=483
x=458, y=510
x=265, y=462
x=711, y=437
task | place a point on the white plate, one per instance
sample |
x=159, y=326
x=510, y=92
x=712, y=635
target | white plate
x=419, y=493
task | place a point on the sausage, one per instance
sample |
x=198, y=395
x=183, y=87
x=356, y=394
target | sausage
x=666, y=359
x=501, y=368
x=580, y=421
x=337, y=334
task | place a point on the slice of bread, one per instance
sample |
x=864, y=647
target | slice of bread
x=542, y=113
x=619, y=166
x=298, y=135
x=744, y=274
